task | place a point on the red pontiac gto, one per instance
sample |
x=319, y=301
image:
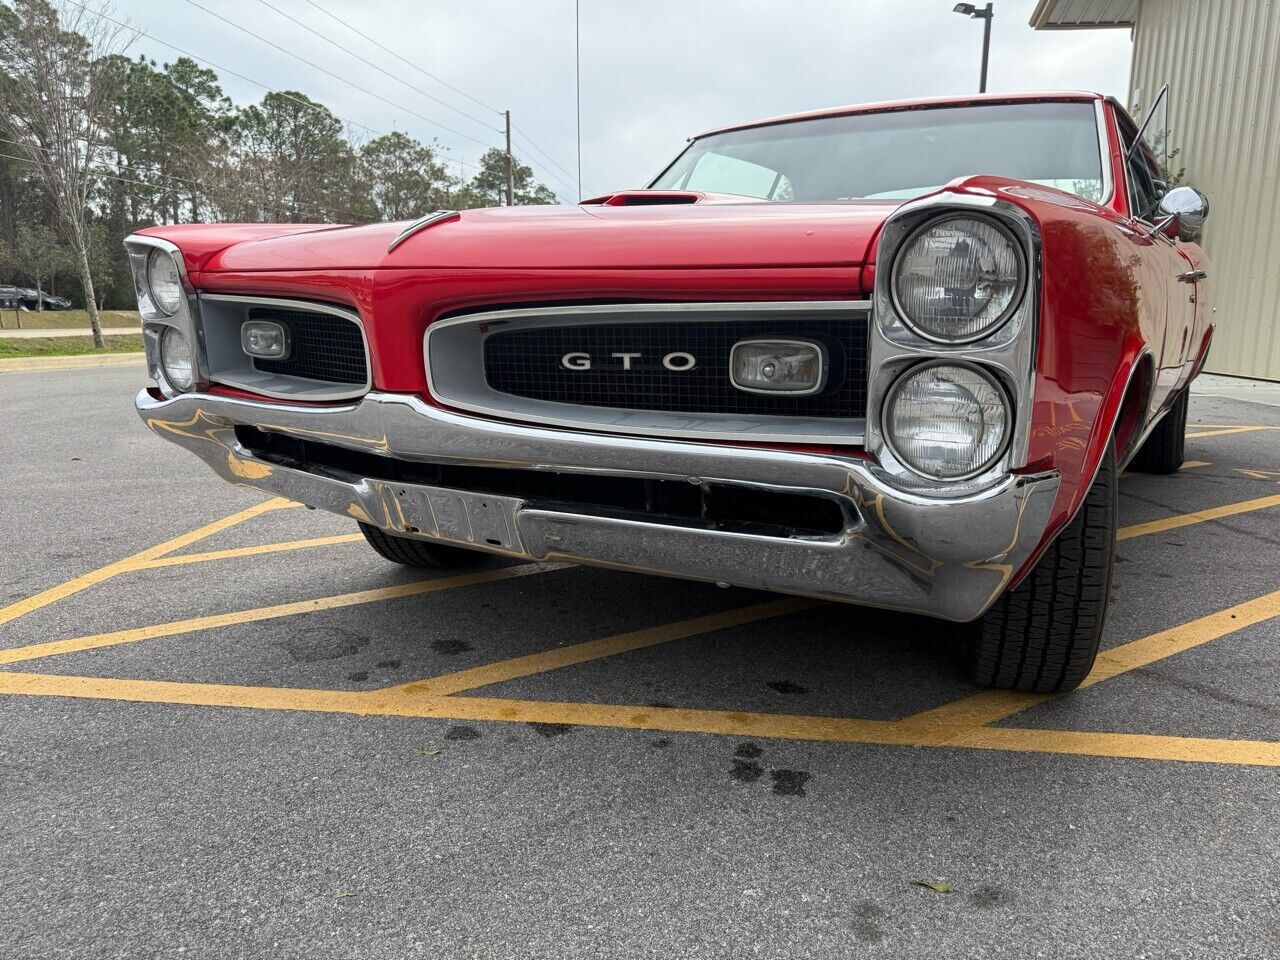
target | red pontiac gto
x=894, y=355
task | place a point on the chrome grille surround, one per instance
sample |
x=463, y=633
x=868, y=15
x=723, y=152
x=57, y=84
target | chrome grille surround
x=454, y=352
x=333, y=366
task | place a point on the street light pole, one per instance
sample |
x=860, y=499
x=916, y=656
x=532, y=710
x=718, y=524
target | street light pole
x=985, y=14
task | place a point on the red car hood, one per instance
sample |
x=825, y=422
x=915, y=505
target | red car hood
x=681, y=236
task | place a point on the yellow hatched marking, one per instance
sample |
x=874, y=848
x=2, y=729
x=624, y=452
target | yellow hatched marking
x=76, y=584
x=254, y=551
x=94, y=641
x=1137, y=746
x=992, y=706
x=561, y=657
x=660, y=719
x=1197, y=516
x=1225, y=431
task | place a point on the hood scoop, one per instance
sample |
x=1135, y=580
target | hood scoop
x=650, y=198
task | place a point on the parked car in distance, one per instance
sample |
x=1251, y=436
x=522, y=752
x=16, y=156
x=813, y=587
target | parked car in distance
x=894, y=355
x=29, y=299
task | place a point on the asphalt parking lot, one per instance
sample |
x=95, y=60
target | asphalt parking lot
x=228, y=728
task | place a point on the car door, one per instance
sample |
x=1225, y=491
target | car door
x=1166, y=265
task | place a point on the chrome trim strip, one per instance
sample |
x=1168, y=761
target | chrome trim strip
x=692, y=425
x=1104, y=153
x=947, y=551
x=417, y=226
x=338, y=391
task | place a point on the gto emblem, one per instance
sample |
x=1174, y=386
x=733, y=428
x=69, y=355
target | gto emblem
x=677, y=361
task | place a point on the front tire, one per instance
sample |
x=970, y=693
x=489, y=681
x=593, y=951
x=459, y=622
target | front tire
x=1163, y=451
x=1042, y=636
x=419, y=553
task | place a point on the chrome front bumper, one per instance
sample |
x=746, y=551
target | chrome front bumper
x=906, y=550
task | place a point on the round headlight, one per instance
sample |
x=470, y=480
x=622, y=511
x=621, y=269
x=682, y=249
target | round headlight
x=164, y=281
x=177, y=359
x=947, y=421
x=958, y=278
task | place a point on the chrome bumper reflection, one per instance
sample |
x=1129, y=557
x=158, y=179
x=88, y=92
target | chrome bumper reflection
x=907, y=551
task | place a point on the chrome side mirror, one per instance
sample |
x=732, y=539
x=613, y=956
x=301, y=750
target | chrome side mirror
x=1182, y=213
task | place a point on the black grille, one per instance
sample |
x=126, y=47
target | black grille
x=321, y=346
x=527, y=363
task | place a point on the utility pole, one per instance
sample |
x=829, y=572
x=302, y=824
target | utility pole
x=511, y=168
x=986, y=15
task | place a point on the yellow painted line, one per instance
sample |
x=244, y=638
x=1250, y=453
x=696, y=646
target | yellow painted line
x=1224, y=431
x=76, y=584
x=1197, y=516
x=94, y=641
x=1139, y=653
x=254, y=551
x=562, y=657
x=941, y=725
x=658, y=719
x=1144, y=746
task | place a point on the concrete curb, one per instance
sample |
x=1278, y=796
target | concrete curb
x=57, y=333
x=37, y=364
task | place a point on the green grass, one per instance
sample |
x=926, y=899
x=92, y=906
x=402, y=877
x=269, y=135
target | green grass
x=65, y=346
x=65, y=319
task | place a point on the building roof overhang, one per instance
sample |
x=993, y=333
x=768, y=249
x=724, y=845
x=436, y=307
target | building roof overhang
x=1083, y=14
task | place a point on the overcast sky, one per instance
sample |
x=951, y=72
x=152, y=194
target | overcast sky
x=653, y=71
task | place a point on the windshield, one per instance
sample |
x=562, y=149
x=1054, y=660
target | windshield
x=897, y=155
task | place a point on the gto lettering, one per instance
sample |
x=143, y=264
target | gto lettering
x=626, y=359
x=677, y=361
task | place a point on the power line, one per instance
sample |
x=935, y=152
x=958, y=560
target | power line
x=530, y=162
x=317, y=107
x=370, y=63
x=340, y=79
x=408, y=63
x=529, y=140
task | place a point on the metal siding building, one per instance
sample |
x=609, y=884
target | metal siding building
x=1221, y=59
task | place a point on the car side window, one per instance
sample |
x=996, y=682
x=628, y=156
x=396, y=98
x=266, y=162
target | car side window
x=1144, y=185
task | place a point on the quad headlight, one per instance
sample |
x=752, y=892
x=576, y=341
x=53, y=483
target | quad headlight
x=947, y=420
x=164, y=282
x=958, y=278
x=177, y=359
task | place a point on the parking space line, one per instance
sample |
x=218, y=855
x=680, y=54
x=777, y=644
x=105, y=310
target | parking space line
x=1225, y=431
x=1196, y=516
x=174, y=627
x=179, y=559
x=992, y=706
x=76, y=584
x=657, y=719
x=1142, y=746
x=561, y=657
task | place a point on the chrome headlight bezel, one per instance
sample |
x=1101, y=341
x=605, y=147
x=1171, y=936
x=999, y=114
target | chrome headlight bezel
x=155, y=321
x=906, y=375
x=932, y=223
